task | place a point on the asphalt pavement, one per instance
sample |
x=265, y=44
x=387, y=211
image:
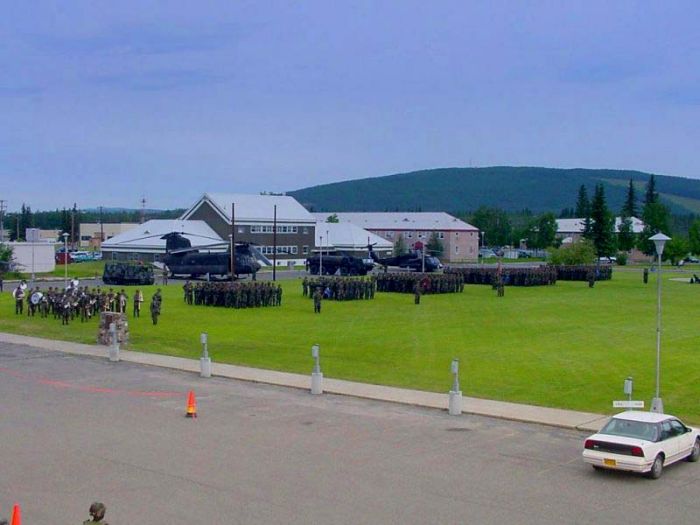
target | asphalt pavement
x=78, y=428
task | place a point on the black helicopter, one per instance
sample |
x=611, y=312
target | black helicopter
x=414, y=260
x=182, y=259
x=338, y=262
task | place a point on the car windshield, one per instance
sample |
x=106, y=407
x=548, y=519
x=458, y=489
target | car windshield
x=632, y=429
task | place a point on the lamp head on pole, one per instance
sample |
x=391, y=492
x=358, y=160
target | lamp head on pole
x=659, y=241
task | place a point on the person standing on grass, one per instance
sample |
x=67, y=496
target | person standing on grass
x=138, y=299
x=318, y=296
x=18, y=294
x=155, y=306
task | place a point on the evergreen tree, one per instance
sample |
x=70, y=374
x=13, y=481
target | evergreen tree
x=629, y=208
x=494, y=223
x=626, y=239
x=400, y=245
x=26, y=220
x=603, y=224
x=656, y=217
x=435, y=246
x=583, y=206
x=694, y=237
x=651, y=196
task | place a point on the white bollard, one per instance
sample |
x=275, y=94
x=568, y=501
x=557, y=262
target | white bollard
x=205, y=360
x=114, y=346
x=455, y=403
x=317, y=383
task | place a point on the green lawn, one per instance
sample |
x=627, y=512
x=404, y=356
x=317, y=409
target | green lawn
x=565, y=346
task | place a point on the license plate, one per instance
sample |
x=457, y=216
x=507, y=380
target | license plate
x=609, y=462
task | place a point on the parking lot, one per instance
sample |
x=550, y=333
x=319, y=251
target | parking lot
x=77, y=429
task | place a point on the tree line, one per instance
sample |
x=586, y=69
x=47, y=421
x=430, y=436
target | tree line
x=539, y=231
x=69, y=219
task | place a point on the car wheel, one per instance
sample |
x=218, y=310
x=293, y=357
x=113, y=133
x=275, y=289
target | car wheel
x=657, y=467
x=597, y=468
x=695, y=453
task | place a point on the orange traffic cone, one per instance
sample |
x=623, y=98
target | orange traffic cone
x=16, y=516
x=191, y=405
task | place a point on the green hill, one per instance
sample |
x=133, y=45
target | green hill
x=458, y=190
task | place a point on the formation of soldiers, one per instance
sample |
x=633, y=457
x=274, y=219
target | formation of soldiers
x=421, y=283
x=340, y=288
x=252, y=294
x=581, y=272
x=75, y=302
x=543, y=275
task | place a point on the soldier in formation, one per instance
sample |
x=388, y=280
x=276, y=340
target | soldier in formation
x=431, y=283
x=645, y=277
x=317, y=297
x=543, y=275
x=18, y=294
x=341, y=288
x=156, y=302
x=138, y=300
x=188, y=289
x=236, y=294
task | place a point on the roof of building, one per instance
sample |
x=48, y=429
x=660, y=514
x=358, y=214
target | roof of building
x=347, y=236
x=254, y=208
x=146, y=237
x=401, y=220
x=565, y=226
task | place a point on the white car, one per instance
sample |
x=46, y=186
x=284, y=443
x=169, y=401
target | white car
x=642, y=442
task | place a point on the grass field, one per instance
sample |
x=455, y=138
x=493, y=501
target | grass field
x=565, y=346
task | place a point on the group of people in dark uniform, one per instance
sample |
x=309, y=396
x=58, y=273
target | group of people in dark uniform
x=236, y=294
x=425, y=283
x=340, y=288
x=78, y=302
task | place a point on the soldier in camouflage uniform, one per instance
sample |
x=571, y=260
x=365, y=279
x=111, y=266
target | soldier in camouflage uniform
x=97, y=514
x=155, y=306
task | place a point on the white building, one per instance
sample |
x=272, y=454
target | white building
x=33, y=257
x=571, y=230
x=92, y=233
x=144, y=242
x=349, y=238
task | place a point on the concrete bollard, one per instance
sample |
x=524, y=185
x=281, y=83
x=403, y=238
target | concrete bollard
x=454, y=405
x=316, y=375
x=205, y=360
x=114, y=343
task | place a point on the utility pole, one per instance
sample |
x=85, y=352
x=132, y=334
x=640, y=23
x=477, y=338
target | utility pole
x=2, y=220
x=274, y=244
x=72, y=226
x=233, y=240
x=102, y=230
x=143, y=209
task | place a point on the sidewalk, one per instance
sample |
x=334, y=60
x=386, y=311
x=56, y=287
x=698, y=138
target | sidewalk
x=483, y=407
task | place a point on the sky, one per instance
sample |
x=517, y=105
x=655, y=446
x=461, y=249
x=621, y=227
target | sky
x=105, y=102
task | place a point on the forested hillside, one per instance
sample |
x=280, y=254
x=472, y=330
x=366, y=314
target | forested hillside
x=459, y=190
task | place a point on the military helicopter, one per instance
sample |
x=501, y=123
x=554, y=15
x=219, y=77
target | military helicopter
x=182, y=259
x=332, y=263
x=415, y=260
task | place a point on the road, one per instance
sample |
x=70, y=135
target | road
x=77, y=429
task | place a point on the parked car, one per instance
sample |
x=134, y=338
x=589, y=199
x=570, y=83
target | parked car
x=486, y=253
x=80, y=256
x=644, y=442
x=607, y=260
x=691, y=259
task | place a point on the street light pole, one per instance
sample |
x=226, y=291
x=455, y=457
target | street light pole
x=320, y=258
x=65, y=260
x=659, y=239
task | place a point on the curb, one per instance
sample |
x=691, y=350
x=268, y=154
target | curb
x=554, y=417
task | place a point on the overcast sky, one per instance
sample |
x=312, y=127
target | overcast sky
x=103, y=102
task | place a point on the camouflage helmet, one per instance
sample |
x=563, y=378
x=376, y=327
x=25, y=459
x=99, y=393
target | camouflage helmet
x=97, y=511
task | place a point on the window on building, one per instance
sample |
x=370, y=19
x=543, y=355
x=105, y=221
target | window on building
x=305, y=250
x=456, y=249
x=441, y=235
x=305, y=231
x=409, y=235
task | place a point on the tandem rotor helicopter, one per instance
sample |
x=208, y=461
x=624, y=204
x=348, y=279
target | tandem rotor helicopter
x=182, y=259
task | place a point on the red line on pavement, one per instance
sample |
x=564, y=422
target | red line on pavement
x=86, y=388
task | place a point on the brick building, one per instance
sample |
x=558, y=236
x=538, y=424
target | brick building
x=460, y=240
x=254, y=221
